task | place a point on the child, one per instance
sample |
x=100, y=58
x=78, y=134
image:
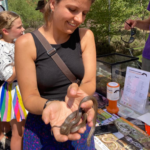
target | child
x=11, y=105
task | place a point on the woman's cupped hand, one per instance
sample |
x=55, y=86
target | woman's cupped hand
x=55, y=113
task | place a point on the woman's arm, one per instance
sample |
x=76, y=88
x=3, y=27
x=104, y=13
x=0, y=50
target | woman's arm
x=88, y=85
x=25, y=55
x=89, y=61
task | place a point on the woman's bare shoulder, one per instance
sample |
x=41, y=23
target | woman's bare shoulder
x=85, y=33
x=24, y=39
x=25, y=44
x=86, y=37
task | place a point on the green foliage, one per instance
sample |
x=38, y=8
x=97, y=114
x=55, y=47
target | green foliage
x=26, y=9
x=106, y=18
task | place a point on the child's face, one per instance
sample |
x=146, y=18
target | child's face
x=16, y=29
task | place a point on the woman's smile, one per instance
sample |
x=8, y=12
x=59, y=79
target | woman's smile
x=72, y=24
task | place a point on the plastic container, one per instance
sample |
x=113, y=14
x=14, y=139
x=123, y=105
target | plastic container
x=113, y=93
x=147, y=128
x=112, y=68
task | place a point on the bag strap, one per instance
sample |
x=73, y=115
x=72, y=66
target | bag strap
x=51, y=51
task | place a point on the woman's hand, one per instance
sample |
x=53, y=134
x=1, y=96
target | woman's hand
x=55, y=113
x=73, y=99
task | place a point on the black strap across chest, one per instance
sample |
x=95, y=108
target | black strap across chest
x=51, y=51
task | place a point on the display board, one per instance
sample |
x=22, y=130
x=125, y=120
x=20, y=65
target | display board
x=136, y=89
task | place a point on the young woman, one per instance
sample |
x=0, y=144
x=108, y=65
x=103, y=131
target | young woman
x=40, y=79
x=11, y=105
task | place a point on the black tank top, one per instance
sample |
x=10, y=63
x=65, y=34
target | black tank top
x=52, y=83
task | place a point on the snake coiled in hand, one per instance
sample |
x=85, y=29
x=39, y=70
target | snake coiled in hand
x=71, y=125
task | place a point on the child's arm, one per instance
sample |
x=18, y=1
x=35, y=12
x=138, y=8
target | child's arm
x=7, y=69
x=13, y=76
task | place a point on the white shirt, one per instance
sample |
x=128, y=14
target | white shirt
x=1, y=9
x=6, y=60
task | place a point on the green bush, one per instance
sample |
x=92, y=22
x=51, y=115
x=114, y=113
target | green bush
x=26, y=9
x=107, y=19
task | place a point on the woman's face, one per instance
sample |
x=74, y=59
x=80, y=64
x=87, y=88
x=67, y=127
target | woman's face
x=69, y=14
x=16, y=29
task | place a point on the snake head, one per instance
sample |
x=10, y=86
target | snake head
x=64, y=130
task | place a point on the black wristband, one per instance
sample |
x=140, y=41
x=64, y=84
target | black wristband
x=46, y=104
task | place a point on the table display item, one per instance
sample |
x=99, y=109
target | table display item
x=102, y=116
x=109, y=120
x=136, y=90
x=126, y=112
x=101, y=100
x=112, y=68
x=111, y=128
x=125, y=128
x=113, y=90
x=140, y=124
x=147, y=128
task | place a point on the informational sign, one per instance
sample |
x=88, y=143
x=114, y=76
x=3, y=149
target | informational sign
x=136, y=89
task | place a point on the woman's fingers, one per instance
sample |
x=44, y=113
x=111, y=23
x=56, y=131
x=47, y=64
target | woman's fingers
x=72, y=90
x=50, y=111
x=71, y=94
x=58, y=136
x=55, y=114
x=82, y=130
x=46, y=117
x=63, y=138
x=74, y=136
x=87, y=105
x=90, y=117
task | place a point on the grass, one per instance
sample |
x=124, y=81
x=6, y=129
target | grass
x=140, y=58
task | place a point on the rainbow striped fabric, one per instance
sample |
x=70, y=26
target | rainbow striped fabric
x=11, y=105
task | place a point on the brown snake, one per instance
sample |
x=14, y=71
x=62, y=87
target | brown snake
x=71, y=125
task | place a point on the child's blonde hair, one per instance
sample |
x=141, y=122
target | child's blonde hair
x=6, y=19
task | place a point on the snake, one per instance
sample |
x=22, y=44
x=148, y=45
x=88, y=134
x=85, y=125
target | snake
x=109, y=142
x=71, y=123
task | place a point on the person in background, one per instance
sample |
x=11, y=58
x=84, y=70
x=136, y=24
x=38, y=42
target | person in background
x=1, y=6
x=4, y=128
x=47, y=93
x=40, y=5
x=144, y=25
x=11, y=105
